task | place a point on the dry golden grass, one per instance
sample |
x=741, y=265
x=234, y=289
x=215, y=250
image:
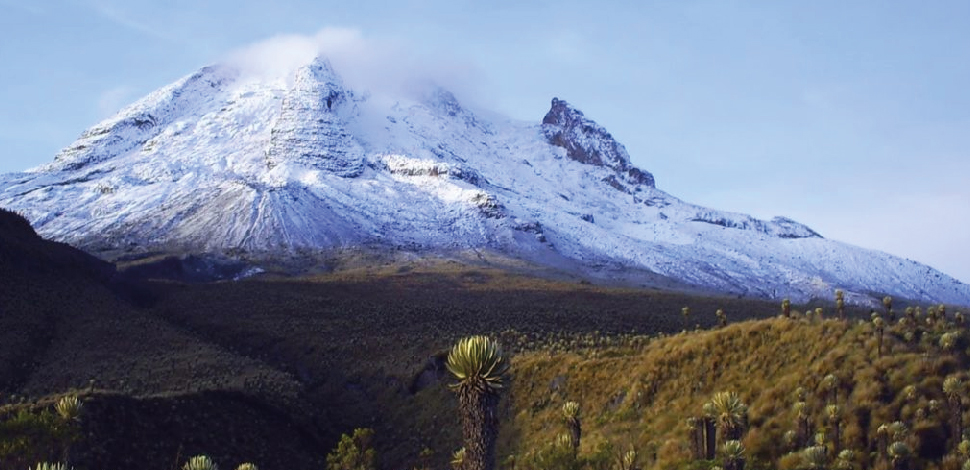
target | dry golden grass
x=645, y=398
x=222, y=368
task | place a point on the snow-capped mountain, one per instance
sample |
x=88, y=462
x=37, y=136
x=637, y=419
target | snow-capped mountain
x=304, y=165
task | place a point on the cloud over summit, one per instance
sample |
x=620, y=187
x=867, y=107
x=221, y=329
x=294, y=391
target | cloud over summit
x=379, y=67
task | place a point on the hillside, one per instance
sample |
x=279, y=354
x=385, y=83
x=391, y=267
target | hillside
x=275, y=369
x=642, y=395
x=65, y=324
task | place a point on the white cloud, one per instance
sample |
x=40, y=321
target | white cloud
x=111, y=101
x=380, y=67
x=24, y=6
x=119, y=17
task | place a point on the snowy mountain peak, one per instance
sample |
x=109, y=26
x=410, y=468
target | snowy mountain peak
x=301, y=165
x=138, y=123
x=308, y=130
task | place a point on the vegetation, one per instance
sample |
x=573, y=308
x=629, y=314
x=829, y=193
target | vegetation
x=353, y=452
x=894, y=398
x=200, y=462
x=50, y=466
x=276, y=372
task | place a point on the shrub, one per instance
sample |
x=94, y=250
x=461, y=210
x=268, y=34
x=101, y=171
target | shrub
x=200, y=462
x=69, y=407
x=50, y=466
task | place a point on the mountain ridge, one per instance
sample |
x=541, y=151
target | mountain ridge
x=302, y=164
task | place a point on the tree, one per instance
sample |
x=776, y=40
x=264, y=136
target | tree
x=830, y=384
x=840, y=303
x=200, y=462
x=899, y=452
x=69, y=410
x=833, y=413
x=481, y=368
x=695, y=431
x=458, y=459
x=49, y=466
x=964, y=449
x=887, y=302
x=731, y=415
x=815, y=458
x=953, y=389
x=845, y=460
x=880, y=326
x=353, y=452
x=628, y=461
x=949, y=341
x=803, y=426
x=910, y=393
x=882, y=441
x=898, y=430
x=733, y=455
x=710, y=431
x=570, y=413
x=559, y=455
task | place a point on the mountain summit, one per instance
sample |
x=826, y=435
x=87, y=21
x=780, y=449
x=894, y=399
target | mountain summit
x=302, y=166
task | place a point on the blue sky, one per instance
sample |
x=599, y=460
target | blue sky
x=852, y=117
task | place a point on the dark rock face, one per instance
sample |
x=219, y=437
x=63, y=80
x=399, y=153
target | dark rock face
x=590, y=144
x=779, y=227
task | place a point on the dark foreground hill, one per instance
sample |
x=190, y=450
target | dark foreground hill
x=273, y=370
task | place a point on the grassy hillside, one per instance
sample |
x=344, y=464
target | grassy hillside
x=275, y=370
x=642, y=396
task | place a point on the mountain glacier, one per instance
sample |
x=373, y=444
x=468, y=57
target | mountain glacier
x=302, y=165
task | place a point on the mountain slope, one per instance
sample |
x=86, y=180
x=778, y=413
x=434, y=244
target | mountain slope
x=303, y=165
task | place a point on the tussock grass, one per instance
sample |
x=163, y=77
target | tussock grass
x=644, y=398
x=222, y=368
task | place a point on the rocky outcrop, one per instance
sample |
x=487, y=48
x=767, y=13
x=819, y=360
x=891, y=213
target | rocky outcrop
x=401, y=165
x=590, y=144
x=780, y=227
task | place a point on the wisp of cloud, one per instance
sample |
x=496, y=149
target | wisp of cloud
x=381, y=68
